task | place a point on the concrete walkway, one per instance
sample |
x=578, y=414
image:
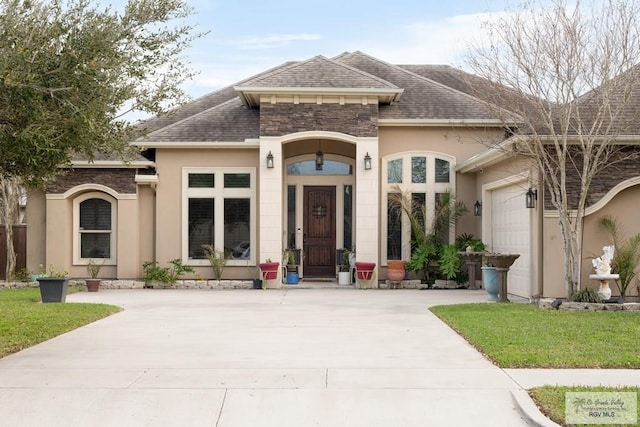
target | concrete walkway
x=335, y=357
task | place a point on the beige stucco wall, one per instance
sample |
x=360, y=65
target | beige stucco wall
x=36, y=229
x=59, y=234
x=168, y=230
x=132, y=237
x=595, y=237
x=146, y=226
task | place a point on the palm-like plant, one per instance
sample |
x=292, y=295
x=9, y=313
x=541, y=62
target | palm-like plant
x=426, y=242
x=626, y=256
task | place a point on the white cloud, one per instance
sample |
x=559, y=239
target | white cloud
x=270, y=41
x=434, y=42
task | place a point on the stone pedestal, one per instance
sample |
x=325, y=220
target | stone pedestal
x=605, y=291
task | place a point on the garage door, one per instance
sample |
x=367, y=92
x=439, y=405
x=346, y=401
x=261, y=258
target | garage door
x=511, y=233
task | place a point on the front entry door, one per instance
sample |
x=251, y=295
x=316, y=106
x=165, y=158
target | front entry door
x=319, y=231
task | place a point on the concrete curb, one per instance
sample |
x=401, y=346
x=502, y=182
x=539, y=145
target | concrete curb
x=529, y=411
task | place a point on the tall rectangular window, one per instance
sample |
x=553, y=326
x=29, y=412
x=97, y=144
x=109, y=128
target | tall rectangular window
x=348, y=217
x=237, y=228
x=394, y=228
x=291, y=216
x=442, y=170
x=201, y=220
x=222, y=215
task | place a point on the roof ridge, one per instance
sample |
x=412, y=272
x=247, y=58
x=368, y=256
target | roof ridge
x=336, y=63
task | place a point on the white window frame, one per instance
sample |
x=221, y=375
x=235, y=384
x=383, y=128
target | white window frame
x=430, y=189
x=77, y=259
x=218, y=193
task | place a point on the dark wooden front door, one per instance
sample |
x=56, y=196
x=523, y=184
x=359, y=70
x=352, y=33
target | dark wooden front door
x=319, y=231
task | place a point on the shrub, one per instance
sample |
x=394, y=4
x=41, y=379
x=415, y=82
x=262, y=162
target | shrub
x=216, y=259
x=154, y=273
x=585, y=295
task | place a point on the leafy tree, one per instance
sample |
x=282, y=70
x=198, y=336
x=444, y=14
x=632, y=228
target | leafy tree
x=70, y=71
x=569, y=73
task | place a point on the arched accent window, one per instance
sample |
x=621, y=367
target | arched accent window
x=94, y=224
x=329, y=167
x=427, y=177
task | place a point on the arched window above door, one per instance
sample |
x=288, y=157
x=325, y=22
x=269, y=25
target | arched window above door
x=329, y=167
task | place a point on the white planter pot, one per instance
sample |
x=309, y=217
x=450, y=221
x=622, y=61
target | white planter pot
x=344, y=278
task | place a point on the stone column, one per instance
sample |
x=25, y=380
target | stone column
x=270, y=199
x=367, y=202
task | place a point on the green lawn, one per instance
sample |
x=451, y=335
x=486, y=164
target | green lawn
x=523, y=336
x=551, y=400
x=24, y=321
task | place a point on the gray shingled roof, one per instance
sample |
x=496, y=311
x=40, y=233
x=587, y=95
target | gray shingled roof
x=227, y=122
x=220, y=116
x=318, y=72
x=423, y=98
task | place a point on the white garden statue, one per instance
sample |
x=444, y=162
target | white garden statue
x=602, y=264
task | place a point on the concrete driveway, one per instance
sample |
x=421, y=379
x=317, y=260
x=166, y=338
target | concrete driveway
x=301, y=357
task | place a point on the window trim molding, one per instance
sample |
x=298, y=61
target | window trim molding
x=430, y=188
x=218, y=193
x=77, y=260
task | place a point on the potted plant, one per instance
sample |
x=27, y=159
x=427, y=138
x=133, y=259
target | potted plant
x=268, y=271
x=216, y=259
x=53, y=284
x=93, y=268
x=255, y=276
x=289, y=259
x=344, y=272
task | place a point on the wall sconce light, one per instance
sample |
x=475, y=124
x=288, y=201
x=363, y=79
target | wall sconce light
x=270, y=160
x=477, y=208
x=319, y=160
x=531, y=197
x=367, y=162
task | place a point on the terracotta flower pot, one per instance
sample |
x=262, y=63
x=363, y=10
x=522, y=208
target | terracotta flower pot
x=395, y=270
x=92, y=285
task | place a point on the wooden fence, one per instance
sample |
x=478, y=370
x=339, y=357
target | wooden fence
x=19, y=244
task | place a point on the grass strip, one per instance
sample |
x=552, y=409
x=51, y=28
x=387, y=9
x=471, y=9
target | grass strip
x=551, y=401
x=524, y=336
x=24, y=321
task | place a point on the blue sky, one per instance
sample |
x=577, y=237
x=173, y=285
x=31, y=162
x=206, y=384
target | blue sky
x=251, y=36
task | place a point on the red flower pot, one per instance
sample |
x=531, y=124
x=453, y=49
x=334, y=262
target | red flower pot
x=364, y=270
x=269, y=270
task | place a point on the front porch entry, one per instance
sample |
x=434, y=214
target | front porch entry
x=310, y=205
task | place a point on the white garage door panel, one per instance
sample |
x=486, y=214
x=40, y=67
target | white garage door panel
x=511, y=233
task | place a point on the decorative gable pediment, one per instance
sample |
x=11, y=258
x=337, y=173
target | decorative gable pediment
x=316, y=81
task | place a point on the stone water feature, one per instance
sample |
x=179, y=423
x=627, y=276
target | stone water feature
x=502, y=263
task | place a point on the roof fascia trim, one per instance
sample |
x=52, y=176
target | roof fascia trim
x=441, y=122
x=489, y=157
x=248, y=143
x=107, y=164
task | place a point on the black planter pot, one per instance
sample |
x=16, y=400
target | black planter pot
x=257, y=284
x=53, y=289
